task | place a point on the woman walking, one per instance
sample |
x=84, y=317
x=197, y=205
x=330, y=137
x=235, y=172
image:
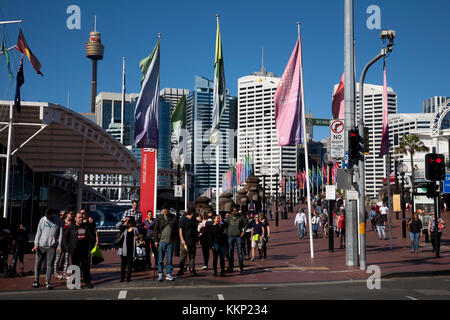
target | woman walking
x=415, y=231
x=203, y=236
x=127, y=249
x=435, y=239
x=218, y=240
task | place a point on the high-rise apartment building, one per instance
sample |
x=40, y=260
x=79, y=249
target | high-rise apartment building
x=375, y=167
x=200, y=153
x=256, y=126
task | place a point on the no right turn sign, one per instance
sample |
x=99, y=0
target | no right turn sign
x=337, y=139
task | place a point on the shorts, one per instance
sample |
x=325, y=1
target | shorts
x=257, y=244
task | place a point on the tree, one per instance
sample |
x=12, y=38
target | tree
x=411, y=144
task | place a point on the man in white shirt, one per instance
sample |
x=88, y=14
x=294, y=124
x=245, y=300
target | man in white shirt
x=384, y=212
x=300, y=222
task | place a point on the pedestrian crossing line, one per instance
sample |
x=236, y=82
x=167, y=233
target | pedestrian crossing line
x=220, y=296
x=411, y=298
x=122, y=295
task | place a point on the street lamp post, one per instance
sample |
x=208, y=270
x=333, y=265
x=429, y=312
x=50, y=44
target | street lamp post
x=402, y=168
x=265, y=171
x=285, y=176
x=396, y=179
x=330, y=163
x=276, y=173
x=177, y=158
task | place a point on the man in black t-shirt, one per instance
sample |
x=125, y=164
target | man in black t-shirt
x=79, y=239
x=189, y=238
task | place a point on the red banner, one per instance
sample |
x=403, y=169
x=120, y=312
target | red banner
x=148, y=182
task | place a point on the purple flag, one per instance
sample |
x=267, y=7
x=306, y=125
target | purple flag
x=384, y=149
x=288, y=102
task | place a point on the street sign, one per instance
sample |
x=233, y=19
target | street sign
x=337, y=139
x=352, y=195
x=447, y=183
x=179, y=191
x=345, y=162
x=317, y=122
x=331, y=192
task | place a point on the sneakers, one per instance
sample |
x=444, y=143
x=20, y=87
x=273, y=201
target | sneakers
x=160, y=277
x=252, y=259
x=169, y=277
x=49, y=286
x=36, y=284
x=204, y=268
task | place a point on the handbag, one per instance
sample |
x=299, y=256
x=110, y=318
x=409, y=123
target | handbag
x=256, y=237
x=118, y=241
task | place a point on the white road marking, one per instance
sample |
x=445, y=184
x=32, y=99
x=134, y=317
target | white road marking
x=411, y=298
x=220, y=296
x=122, y=295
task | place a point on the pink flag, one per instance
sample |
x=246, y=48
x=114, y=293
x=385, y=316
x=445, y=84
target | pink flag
x=384, y=149
x=338, y=105
x=288, y=102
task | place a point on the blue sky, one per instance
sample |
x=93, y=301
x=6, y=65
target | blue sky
x=417, y=69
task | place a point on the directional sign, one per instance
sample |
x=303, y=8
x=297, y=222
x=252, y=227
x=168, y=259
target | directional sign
x=337, y=139
x=447, y=183
x=317, y=122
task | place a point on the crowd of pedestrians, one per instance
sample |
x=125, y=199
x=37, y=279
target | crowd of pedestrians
x=67, y=238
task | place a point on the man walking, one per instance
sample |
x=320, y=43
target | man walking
x=189, y=239
x=235, y=229
x=48, y=239
x=166, y=229
x=300, y=223
x=79, y=239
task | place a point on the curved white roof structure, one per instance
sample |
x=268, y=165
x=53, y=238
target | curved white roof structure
x=52, y=138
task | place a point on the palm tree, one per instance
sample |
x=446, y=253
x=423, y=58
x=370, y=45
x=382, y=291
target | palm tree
x=411, y=144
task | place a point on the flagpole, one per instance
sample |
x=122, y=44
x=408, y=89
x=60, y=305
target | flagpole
x=121, y=119
x=308, y=191
x=8, y=163
x=217, y=150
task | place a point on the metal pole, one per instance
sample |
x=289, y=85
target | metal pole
x=361, y=167
x=276, y=204
x=388, y=165
x=396, y=182
x=403, y=207
x=177, y=208
x=330, y=214
x=351, y=236
x=264, y=195
x=8, y=163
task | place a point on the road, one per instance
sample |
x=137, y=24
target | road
x=418, y=288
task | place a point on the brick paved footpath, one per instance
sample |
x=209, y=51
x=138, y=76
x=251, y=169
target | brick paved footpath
x=288, y=261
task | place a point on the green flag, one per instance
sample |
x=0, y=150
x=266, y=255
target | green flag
x=219, y=103
x=5, y=52
x=178, y=118
x=145, y=64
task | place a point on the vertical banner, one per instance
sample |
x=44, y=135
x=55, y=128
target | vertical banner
x=148, y=182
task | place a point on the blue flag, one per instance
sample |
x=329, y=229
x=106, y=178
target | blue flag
x=146, y=131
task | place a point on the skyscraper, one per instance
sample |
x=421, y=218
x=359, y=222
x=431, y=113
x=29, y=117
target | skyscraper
x=375, y=166
x=256, y=126
x=200, y=153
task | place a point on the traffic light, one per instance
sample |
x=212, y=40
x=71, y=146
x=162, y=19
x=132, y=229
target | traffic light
x=431, y=189
x=435, y=167
x=366, y=141
x=353, y=144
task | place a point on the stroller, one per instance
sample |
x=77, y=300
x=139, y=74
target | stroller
x=140, y=263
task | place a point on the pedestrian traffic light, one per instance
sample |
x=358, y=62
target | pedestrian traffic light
x=435, y=167
x=431, y=189
x=353, y=144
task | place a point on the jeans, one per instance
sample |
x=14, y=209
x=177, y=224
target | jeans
x=164, y=248
x=414, y=241
x=219, y=251
x=231, y=242
x=42, y=253
x=301, y=229
x=381, y=231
